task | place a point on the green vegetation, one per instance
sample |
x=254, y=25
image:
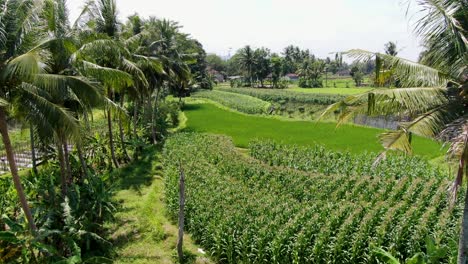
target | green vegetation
x=318, y=159
x=339, y=91
x=56, y=78
x=141, y=232
x=283, y=96
x=242, y=103
x=243, y=211
x=243, y=128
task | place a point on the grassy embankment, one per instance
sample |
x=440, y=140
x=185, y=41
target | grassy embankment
x=141, y=232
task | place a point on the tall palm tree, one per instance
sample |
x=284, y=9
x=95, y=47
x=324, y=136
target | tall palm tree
x=433, y=93
x=107, y=54
x=247, y=61
x=78, y=94
x=24, y=84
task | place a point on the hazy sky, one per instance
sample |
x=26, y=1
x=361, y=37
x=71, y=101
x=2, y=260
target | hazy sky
x=323, y=26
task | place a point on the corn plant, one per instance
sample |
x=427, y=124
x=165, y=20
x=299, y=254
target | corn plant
x=242, y=210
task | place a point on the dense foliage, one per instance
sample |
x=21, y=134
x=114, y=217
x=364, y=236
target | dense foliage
x=57, y=79
x=243, y=103
x=279, y=96
x=243, y=211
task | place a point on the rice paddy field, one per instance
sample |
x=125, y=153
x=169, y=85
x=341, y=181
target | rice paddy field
x=208, y=118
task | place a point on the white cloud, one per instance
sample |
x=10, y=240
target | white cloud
x=321, y=26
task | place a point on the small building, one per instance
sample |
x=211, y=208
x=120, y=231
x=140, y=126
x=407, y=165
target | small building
x=343, y=73
x=217, y=76
x=292, y=77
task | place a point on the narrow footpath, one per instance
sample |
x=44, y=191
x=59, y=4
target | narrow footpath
x=141, y=232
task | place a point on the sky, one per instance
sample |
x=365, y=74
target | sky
x=323, y=26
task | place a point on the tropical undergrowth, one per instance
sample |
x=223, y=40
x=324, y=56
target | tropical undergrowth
x=72, y=222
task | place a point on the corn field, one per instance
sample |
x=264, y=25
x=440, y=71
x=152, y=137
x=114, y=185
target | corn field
x=244, y=211
x=321, y=160
x=239, y=102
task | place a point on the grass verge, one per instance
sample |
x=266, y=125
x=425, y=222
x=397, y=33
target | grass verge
x=141, y=232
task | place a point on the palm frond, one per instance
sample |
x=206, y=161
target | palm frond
x=87, y=93
x=409, y=73
x=135, y=71
x=443, y=28
x=108, y=76
x=99, y=47
x=44, y=114
x=24, y=66
x=396, y=140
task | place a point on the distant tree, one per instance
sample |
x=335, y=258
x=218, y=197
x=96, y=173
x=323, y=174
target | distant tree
x=358, y=75
x=369, y=67
x=333, y=67
x=261, y=68
x=311, y=73
x=233, y=66
x=276, y=68
x=391, y=48
x=289, y=62
x=246, y=61
x=215, y=62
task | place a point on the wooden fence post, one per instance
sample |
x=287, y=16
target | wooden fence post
x=181, y=213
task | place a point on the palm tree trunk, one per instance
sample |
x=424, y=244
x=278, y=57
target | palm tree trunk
x=153, y=125
x=33, y=150
x=111, y=139
x=463, y=240
x=66, y=160
x=84, y=167
x=63, y=173
x=121, y=131
x=135, y=121
x=14, y=170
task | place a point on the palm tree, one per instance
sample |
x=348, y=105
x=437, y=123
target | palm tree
x=107, y=55
x=163, y=63
x=434, y=93
x=247, y=61
x=24, y=84
x=78, y=94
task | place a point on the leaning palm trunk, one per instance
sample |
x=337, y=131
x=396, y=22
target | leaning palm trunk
x=121, y=132
x=111, y=139
x=66, y=159
x=33, y=149
x=153, y=121
x=84, y=167
x=135, y=120
x=463, y=240
x=63, y=173
x=14, y=170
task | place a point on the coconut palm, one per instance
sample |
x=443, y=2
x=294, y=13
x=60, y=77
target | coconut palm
x=433, y=94
x=78, y=94
x=105, y=57
x=25, y=86
x=246, y=60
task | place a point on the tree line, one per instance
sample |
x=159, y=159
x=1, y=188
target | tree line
x=55, y=75
x=260, y=65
